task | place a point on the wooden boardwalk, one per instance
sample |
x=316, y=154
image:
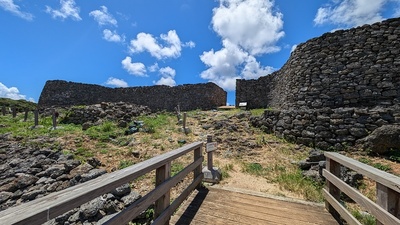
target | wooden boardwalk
x=219, y=206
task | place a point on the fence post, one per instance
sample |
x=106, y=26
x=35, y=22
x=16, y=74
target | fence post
x=54, y=119
x=14, y=112
x=3, y=109
x=197, y=170
x=162, y=174
x=36, y=112
x=333, y=167
x=209, y=154
x=26, y=115
x=211, y=174
x=388, y=199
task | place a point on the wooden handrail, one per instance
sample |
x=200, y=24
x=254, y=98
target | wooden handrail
x=387, y=207
x=43, y=209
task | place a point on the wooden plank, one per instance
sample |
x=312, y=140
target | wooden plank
x=379, y=213
x=389, y=180
x=162, y=174
x=270, y=207
x=197, y=154
x=334, y=168
x=388, y=200
x=40, y=210
x=346, y=215
x=232, y=207
x=132, y=211
x=164, y=217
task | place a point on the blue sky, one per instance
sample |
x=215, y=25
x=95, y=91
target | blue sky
x=129, y=43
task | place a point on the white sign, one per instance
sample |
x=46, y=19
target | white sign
x=212, y=146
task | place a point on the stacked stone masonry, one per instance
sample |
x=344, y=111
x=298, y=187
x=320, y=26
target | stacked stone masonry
x=334, y=89
x=359, y=67
x=157, y=98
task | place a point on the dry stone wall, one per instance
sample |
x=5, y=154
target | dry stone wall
x=334, y=90
x=189, y=96
x=359, y=67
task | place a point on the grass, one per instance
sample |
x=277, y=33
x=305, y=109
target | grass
x=365, y=219
x=377, y=165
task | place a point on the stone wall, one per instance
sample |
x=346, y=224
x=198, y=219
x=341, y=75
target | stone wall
x=189, y=96
x=326, y=128
x=359, y=67
x=334, y=90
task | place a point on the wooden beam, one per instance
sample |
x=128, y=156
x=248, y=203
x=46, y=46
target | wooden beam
x=334, y=168
x=132, y=211
x=381, y=214
x=162, y=174
x=388, y=200
x=389, y=180
x=40, y=210
x=198, y=170
x=346, y=215
x=166, y=215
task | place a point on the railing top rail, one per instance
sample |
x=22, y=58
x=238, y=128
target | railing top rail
x=389, y=180
x=60, y=202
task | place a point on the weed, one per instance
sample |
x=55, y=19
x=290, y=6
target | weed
x=254, y=169
x=381, y=166
x=364, y=218
x=176, y=168
x=295, y=182
x=225, y=170
x=257, y=112
x=125, y=163
x=365, y=160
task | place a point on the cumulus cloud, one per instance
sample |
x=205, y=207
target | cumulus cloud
x=167, y=77
x=10, y=6
x=293, y=48
x=153, y=68
x=350, y=13
x=68, y=9
x=253, y=25
x=137, y=69
x=170, y=47
x=116, y=82
x=11, y=92
x=242, y=40
x=112, y=36
x=103, y=17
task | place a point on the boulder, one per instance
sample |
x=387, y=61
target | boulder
x=382, y=139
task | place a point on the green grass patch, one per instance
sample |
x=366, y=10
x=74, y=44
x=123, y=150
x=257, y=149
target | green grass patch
x=125, y=163
x=365, y=219
x=296, y=182
x=257, y=112
x=176, y=168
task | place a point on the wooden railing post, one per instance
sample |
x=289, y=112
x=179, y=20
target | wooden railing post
x=14, y=112
x=333, y=167
x=36, y=113
x=197, y=171
x=388, y=199
x=54, y=119
x=162, y=174
x=209, y=154
x=3, y=109
x=26, y=114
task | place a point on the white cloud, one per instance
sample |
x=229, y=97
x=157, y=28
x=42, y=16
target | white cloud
x=253, y=25
x=137, y=69
x=242, y=40
x=11, y=92
x=146, y=42
x=68, y=9
x=189, y=44
x=167, y=72
x=9, y=5
x=116, y=82
x=169, y=81
x=112, y=36
x=167, y=78
x=293, y=48
x=351, y=13
x=153, y=68
x=102, y=17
